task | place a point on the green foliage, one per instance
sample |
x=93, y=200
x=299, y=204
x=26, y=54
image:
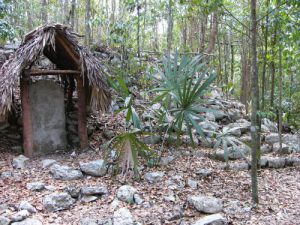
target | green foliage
x=225, y=138
x=183, y=83
x=129, y=147
x=6, y=31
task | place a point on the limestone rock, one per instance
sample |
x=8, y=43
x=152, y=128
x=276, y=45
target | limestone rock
x=192, y=183
x=4, y=220
x=65, y=173
x=206, y=204
x=138, y=199
x=152, y=139
x=153, y=177
x=166, y=160
x=21, y=215
x=94, y=168
x=272, y=138
x=122, y=217
x=35, y=186
x=88, y=221
x=28, y=221
x=293, y=161
x=94, y=190
x=48, y=162
x=24, y=205
x=20, y=162
x=126, y=193
x=276, y=162
x=284, y=149
x=203, y=173
x=270, y=125
x=215, y=219
x=57, y=202
x=73, y=191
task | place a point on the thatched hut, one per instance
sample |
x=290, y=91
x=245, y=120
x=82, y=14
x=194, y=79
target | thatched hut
x=60, y=45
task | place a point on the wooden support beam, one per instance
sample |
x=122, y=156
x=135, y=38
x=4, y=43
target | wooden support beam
x=71, y=52
x=82, y=125
x=51, y=72
x=27, y=120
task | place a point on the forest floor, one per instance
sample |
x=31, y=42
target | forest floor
x=279, y=190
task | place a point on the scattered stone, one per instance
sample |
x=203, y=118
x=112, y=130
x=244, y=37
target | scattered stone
x=215, y=219
x=219, y=114
x=50, y=188
x=176, y=213
x=264, y=129
x=20, y=162
x=263, y=162
x=203, y=173
x=175, y=183
x=95, y=168
x=209, y=125
x=239, y=166
x=73, y=191
x=235, y=131
x=265, y=149
x=206, y=204
x=276, y=162
x=35, y=186
x=166, y=160
x=152, y=139
x=126, y=193
x=48, y=163
x=65, y=173
x=115, y=203
x=21, y=215
x=4, y=220
x=94, y=190
x=192, y=183
x=122, y=217
x=234, y=114
x=88, y=198
x=6, y=174
x=138, y=199
x=272, y=138
x=170, y=197
x=293, y=161
x=28, y=221
x=24, y=205
x=210, y=117
x=270, y=125
x=284, y=148
x=58, y=201
x=153, y=177
x=88, y=221
x=233, y=153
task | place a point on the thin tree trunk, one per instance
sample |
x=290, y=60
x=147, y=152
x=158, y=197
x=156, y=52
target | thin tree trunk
x=203, y=32
x=87, y=23
x=255, y=90
x=72, y=14
x=170, y=28
x=280, y=97
x=213, y=33
x=272, y=65
x=263, y=85
x=138, y=36
x=44, y=11
x=29, y=16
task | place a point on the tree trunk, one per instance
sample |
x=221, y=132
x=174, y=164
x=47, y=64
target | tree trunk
x=72, y=13
x=263, y=85
x=44, y=13
x=280, y=97
x=138, y=36
x=272, y=65
x=87, y=23
x=29, y=16
x=170, y=28
x=255, y=90
x=203, y=27
x=213, y=33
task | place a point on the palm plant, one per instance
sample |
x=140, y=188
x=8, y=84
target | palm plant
x=183, y=83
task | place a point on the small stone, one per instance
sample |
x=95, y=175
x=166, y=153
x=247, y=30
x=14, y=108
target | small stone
x=138, y=199
x=206, y=204
x=24, y=205
x=21, y=215
x=276, y=162
x=122, y=217
x=284, y=148
x=215, y=219
x=192, y=183
x=239, y=166
x=88, y=221
x=65, y=173
x=126, y=193
x=28, y=221
x=50, y=188
x=114, y=204
x=88, y=198
x=293, y=161
x=152, y=140
x=94, y=168
x=73, y=191
x=272, y=138
x=263, y=162
x=6, y=174
x=153, y=177
x=4, y=220
x=20, y=162
x=48, y=163
x=166, y=160
x=265, y=149
x=94, y=190
x=35, y=186
x=203, y=173
x=57, y=202
x=170, y=197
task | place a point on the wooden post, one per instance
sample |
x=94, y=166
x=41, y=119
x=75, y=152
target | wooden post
x=27, y=121
x=82, y=128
